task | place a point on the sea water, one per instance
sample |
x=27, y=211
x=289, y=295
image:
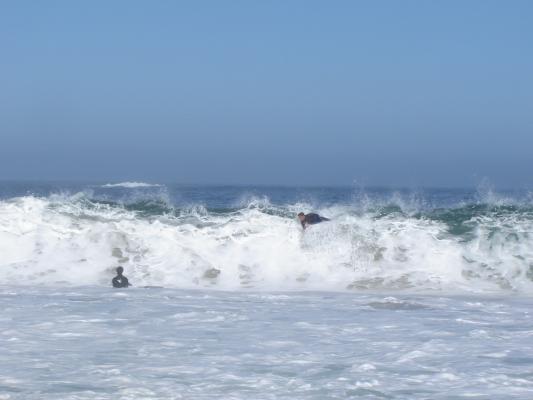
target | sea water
x=405, y=294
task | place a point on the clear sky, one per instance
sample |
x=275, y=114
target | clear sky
x=401, y=93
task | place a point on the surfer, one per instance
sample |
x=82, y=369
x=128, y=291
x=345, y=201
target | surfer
x=120, y=281
x=310, y=219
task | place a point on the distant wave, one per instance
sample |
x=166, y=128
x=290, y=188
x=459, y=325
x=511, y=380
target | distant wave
x=130, y=185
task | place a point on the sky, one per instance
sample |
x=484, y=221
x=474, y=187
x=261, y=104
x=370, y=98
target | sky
x=385, y=93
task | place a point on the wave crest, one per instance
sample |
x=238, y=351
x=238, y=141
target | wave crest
x=130, y=185
x=78, y=241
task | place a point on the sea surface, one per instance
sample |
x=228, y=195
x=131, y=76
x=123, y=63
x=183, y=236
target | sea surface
x=404, y=294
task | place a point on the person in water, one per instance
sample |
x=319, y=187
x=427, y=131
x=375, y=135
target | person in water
x=120, y=281
x=310, y=219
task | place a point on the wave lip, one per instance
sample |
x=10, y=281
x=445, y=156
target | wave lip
x=130, y=185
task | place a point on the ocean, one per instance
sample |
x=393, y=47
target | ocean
x=404, y=294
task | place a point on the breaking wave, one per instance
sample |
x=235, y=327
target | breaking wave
x=61, y=240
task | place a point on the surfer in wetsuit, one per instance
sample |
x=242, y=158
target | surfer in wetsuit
x=120, y=281
x=310, y=219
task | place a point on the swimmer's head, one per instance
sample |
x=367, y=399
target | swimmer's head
x=120, y=270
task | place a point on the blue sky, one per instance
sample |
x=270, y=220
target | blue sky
x=400, y=93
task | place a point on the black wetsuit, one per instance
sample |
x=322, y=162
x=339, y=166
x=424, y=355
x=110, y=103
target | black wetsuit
x=120, y=281
x=312, y=218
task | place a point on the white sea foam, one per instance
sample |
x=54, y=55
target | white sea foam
x=69, y=242
x=130, y=185
x=172, y=343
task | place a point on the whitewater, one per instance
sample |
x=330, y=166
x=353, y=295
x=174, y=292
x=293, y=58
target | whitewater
x=74, y=239
x=404, y=294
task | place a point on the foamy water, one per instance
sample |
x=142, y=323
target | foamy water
x=96, y=343
x=400, y=296
x=74, y=240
